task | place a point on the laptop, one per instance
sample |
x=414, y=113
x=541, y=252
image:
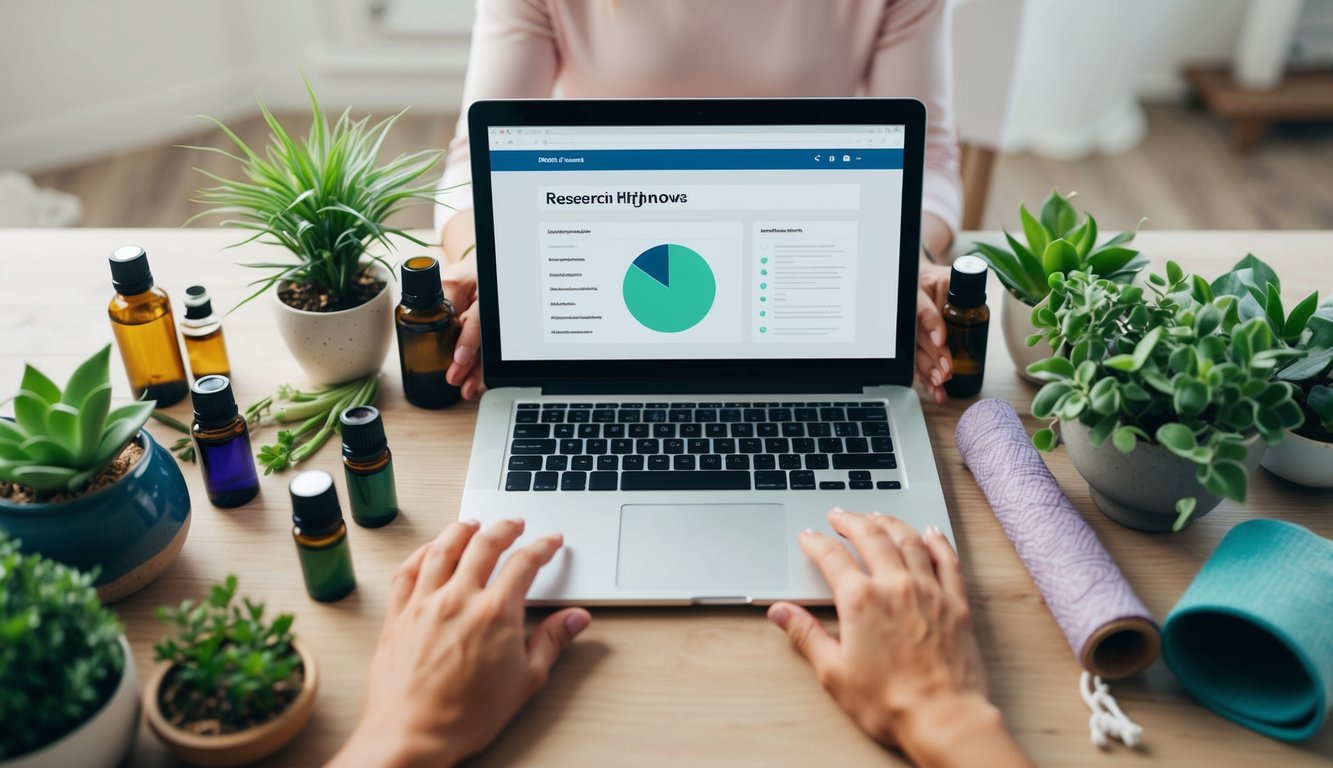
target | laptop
x=698, y=337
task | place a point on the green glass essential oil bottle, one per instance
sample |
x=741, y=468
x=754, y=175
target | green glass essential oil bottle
x=202, y=331
x=967, y=321
x=428, y=329
x=368, y=466
x=145, y=332
x=321, y=537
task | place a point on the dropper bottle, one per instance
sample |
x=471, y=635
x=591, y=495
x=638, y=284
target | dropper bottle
x=321, y=537
x=368, y=467
x=967, y=321
x=202, y=330
x=223, y=440
x=428, y=329
x=145, y=331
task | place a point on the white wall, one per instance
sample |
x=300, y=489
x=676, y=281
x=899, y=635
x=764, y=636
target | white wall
x=88, y=78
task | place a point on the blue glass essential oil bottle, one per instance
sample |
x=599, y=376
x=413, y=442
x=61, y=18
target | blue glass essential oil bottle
x=223, y=442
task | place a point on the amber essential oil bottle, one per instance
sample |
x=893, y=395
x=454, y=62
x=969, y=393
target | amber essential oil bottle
x=368, y=467
x=321, y=537
x=144, y=329
x=967, y=321
x=223, y=442
x=202, y=331
x=427, y=332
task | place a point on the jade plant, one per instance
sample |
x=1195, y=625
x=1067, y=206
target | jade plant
x=60, y=658
x=1057, y=243
x=324, y=198
x=1308, y=328
x=60, y=439
x=1176, y=365
x=231, y=669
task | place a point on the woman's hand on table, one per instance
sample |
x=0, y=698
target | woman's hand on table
x=906, y=665
x=460, y=286
x=454, y=664
x=934, y=363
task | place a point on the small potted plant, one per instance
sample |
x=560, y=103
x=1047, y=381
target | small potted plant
x=1165, y=403
x=68, y=693
x=84, y=483
x=1056, y=243
x=231, y=687
x=1306, y=456
x=325, y=200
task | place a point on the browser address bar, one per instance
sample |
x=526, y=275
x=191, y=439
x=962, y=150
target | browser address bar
x=677, y=141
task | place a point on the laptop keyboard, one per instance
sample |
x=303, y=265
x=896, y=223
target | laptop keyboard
x=700, y=446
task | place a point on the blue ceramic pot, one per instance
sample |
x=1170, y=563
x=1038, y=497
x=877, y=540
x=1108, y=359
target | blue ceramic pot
x=132, y=530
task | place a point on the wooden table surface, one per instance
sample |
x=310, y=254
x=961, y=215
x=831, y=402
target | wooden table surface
x=644, y=687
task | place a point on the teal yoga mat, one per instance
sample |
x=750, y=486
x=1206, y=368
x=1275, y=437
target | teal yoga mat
x=1252, y=637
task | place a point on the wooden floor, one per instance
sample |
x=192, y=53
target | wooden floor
x=1183, y=176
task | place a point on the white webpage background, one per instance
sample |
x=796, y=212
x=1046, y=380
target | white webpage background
x=521, y=218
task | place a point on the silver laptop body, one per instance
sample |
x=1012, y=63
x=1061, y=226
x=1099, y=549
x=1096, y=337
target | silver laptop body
x=698, y=322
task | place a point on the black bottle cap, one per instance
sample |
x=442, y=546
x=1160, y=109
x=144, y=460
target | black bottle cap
x=315, y=508
x=967, y=282
x=363, y=432
x=214, y=403
x=130, y=274
x=421, y=283
x=198, y=305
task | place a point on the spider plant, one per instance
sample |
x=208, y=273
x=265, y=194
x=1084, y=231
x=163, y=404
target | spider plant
x=323, y=198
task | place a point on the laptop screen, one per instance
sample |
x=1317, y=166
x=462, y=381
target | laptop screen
x=697, y=242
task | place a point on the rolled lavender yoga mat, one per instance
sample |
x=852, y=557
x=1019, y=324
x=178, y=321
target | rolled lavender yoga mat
x=1108, y=628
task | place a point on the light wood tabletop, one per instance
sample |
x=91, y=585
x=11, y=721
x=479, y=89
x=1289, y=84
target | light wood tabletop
x=697, y=687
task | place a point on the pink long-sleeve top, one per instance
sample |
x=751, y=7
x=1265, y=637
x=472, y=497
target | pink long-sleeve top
x=715, y=48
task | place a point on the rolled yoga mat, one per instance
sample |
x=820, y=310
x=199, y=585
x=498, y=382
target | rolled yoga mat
x=1252, y=637
x=1108, y=628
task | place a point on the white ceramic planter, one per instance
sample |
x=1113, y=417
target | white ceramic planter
x=106, y=737
x=336, y=347
x=1301, y=460
x=1016, y=321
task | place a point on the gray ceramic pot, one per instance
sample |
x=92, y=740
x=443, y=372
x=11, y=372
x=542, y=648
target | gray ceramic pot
x=1140, y=489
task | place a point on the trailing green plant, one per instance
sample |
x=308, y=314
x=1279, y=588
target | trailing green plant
x=1057, y=243
x=183, y=448
x=1307, y=328
x=1176, y=365
x=61, y=438
x=231, y=669
x=315, y=414
x=323, y=198
x=60, y=658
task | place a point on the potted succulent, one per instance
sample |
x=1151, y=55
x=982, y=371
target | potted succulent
x=231, y=687
x=1165, y=403
x=1056, y=242
x=325, y=200
x=1306, y=456
x=84, y=483
x=68, y=693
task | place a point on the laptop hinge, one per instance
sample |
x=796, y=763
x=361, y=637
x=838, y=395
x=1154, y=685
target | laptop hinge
x=704, y=385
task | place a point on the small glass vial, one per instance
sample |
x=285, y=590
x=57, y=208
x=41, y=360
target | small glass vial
x=967, y=321
x=202, y=331
x=145, y=331
x=427, y=332
x=223, y=442
x=321, y=537
x=368, y=466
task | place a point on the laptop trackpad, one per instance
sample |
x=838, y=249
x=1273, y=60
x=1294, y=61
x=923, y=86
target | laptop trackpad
x=703, y=550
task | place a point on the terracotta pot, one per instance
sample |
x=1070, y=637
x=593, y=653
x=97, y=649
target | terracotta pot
x=1301, y=460
x=103, y=740
x=337, y=347
x=1016, y=321
x=130, y=531
x=1139, y=489
x=234, y=748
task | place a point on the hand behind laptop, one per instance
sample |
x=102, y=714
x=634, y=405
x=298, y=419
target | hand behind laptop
x=460, y=286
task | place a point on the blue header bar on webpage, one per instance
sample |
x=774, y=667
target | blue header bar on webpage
x=695, y=159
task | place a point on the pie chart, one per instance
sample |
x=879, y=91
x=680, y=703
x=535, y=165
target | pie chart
x=669, y=288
